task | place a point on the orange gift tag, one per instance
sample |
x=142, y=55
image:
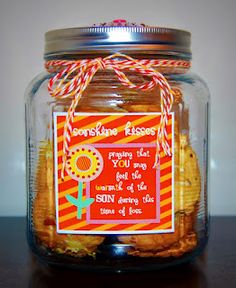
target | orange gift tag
x=111, y=185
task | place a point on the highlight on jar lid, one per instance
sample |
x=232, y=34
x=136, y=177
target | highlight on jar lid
x=118, y=35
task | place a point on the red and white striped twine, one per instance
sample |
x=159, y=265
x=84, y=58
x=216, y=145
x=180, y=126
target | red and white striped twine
x=75, y=75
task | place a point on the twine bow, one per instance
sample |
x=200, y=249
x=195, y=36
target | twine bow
x=74, y=77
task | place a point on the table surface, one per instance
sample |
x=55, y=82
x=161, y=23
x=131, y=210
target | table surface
x=216, y=268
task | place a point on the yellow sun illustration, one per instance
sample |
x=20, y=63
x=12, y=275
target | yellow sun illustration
x=84, y=163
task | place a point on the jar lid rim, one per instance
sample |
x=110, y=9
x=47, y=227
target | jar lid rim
x=117, y=38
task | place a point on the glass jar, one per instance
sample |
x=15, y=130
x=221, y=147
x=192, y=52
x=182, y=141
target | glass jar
x=117, y=144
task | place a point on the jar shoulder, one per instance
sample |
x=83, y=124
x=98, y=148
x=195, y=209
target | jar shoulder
x=36, y=84
x=189, y=82
x=192, y=81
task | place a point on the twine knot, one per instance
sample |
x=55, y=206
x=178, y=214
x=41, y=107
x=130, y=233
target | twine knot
x=101, y=63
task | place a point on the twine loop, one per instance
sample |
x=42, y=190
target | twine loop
x=71, y=78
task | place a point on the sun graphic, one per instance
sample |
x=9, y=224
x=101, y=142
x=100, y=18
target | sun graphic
x=84, y=163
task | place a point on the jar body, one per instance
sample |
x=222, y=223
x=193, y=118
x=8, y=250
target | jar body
x=121, y=251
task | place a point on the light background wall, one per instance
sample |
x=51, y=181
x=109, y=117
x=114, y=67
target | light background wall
x=22, y=27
